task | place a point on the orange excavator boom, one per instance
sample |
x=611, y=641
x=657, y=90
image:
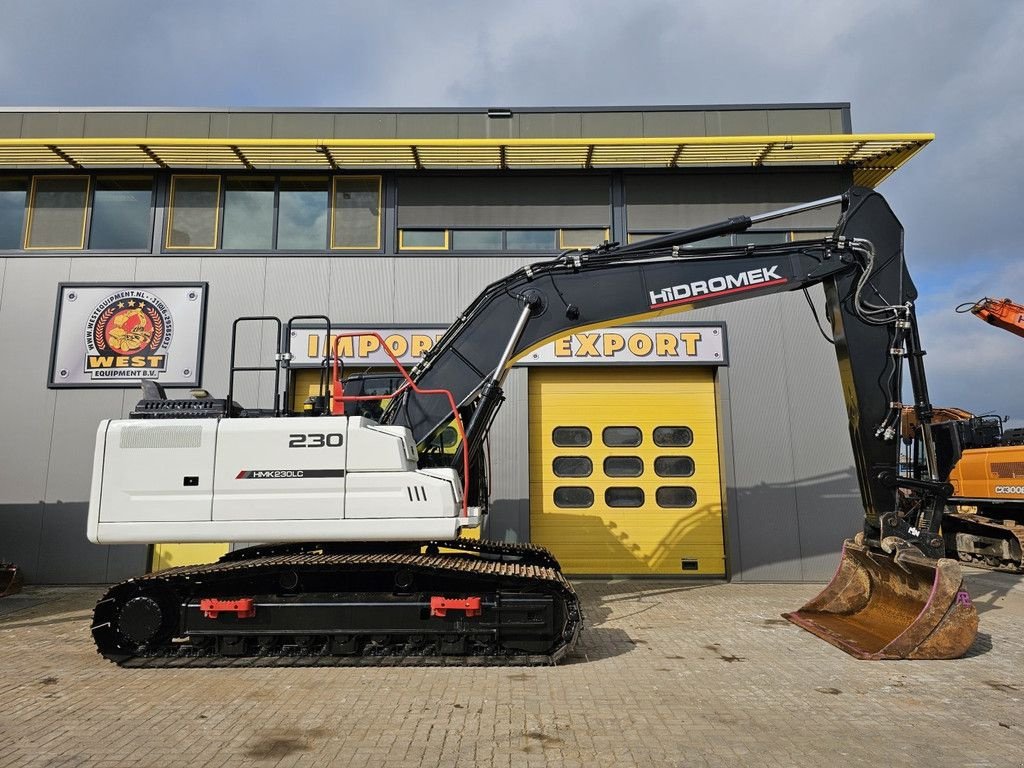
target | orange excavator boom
x=1002, y=313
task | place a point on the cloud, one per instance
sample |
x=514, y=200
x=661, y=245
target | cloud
x=951, y=68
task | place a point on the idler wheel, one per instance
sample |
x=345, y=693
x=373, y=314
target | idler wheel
x=140, y=619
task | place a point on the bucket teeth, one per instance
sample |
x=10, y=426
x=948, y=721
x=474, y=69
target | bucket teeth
x=883, y=607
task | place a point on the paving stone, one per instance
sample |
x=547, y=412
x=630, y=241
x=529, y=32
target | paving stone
x=666, y=674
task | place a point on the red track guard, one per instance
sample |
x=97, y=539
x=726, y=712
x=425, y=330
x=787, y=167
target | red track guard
x=212, y=607
x=439, y=606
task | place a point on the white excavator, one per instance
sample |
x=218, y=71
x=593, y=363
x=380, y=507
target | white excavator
x=367, y=564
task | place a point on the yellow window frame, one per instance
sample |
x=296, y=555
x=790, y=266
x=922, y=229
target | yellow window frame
x=380, y=212
x=170, y=213
x=32, y=207
x=564, y=245
x=403, y=247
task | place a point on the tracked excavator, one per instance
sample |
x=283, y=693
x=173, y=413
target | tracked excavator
x=984, y=524
x=368, y=565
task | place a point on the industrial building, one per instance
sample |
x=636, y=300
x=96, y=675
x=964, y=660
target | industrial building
x=710, y=444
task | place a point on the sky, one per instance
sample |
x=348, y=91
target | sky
x=948, y=67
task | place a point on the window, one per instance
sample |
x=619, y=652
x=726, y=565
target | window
x=673, y=466
x=673, y=437
x=13, y=192
x=572, y=466
x=248, y=213
x=623, y=466
x=621, y=437
x=355, y=213
x=477, y=239
x=581, y=238
x=57, y=208
x=573, y=497
x=121, y=213
x=194, y=212
x=423, y=239
x=624, y=497
x=675, y=496
x=530, y=239
x=571, y=437
x=302, y=214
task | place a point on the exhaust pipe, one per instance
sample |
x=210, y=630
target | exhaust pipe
x=905, y=606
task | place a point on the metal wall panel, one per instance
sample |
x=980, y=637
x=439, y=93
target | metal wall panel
x=242, y=125
x=736, y=122
x=828, y=502
x=78, y=412
x=427, y=126
x=184, y=124
x=238, y=283
x=613, y=124
x=666, y=202
x=764, y=501
x=303, y=126
x=10, y=125
x=674, y=124
x=27, y=406
x=509, y=518
x=498, y=202
x=369, y=126
x=555, y=125
x=115, y=124
x=362, y=290
x=53, y=124
x=425, y=287
x=800, y=121
x=480, y=126
x=22, y=529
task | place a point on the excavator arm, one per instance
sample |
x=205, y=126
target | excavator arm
x=893, y=596
x=869, y=296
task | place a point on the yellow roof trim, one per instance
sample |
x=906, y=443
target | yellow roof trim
x=872, y=156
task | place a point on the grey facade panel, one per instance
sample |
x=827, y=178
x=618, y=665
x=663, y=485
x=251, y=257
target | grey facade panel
x=362, y=290
x=663, y=202
x=66, y=557
x=802, y=121
x=428, y=126
x=480, y=126
x=242, y=125
x=613, y=124
x=53, y=124
x=509, y=518
x=115, y=124
x=10, y=125
x=76, y=417
x=303, y=126
x=560, y=125
x=22, y=529
x=736, y=122
x=497, y=202
x=30, y=290
x=372, y=126
x=674, y=124
x=195, y=125
x=828, y=501
x=764, y=500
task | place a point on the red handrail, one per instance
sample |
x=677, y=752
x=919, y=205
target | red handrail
x=339, y=398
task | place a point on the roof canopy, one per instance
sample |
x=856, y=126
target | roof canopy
x=872, y=157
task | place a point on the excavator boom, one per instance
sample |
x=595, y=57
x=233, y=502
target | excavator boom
x=1002, y=313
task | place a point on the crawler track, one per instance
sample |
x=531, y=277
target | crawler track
x=983, y=541
x=333, y=605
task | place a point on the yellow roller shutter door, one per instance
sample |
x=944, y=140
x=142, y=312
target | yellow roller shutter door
x=624, y=470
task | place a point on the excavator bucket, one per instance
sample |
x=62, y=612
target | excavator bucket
x=10, y=579
x=883, y=607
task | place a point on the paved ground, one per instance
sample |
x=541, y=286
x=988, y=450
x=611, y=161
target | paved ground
x=667, y=673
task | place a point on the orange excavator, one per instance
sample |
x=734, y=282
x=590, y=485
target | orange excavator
x=984, y=524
